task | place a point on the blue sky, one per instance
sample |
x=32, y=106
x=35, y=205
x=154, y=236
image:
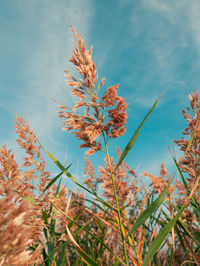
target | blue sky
x=142, y=45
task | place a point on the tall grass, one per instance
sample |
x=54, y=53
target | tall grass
x=116, y=220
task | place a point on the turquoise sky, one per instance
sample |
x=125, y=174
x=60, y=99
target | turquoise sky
x=142, y=45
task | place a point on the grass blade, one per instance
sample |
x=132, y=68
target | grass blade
x=62, y=257
x=171, y=257
x=73, y=179
x=187, y=232
x=149, y=210
x=166, y=230
x=161, y=237
x=29, y=198
x=82, y=253
x=181, y=241
x=135, y=136
x=88, y=231
x=77, y=183
x=55, y=178
x=190, y=142
x=194, y=202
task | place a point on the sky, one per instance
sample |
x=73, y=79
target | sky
x=142, y=45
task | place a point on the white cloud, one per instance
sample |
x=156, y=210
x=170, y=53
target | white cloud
x=47, y=62
x=168, y=30
x=183, y=13
x=39, y=35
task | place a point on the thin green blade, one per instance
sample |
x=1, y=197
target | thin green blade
x=134, y=137
x=89, y=232
x=73, y=179
x=87, y=258
x=151, y=209
x=190, y=142
x=55, y=178
x=161, y=237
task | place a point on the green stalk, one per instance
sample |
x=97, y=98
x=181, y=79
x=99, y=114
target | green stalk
x=117, y=204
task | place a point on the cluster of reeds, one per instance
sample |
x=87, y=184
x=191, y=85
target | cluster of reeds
x=116, y=220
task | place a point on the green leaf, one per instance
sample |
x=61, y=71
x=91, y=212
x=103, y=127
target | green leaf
x=45, y=216
x=187, y=232
x=179, y=234
x=75, y=218
x=58, y=187
x=52, y=227
x=161, y=237
x=171, y=257
x=93, y=235
x=190, y=142
x=194, y=202
x=134, y=137
x=62, y=257
x=89, y=260
x=73, y=179
x=45, y=257
x=197, y=235
x=55, y=178
x=30, y=199
x=149, y=210
x=177, y=166
x=182, y=177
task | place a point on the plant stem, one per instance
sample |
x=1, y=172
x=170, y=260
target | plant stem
x=117, y=203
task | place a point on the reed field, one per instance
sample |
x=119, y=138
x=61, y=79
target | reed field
x=113, y=219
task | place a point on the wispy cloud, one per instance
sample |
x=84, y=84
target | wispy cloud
x=45, y=46
x=46, y=64
x=144, y=46
x=169, y=52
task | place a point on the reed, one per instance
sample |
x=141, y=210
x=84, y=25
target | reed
x=115, y=220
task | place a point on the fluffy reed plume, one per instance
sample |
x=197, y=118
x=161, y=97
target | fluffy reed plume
x=89, y=172
x=37, y=173
x=22, y=201
x=125, y=179
x=18, y=228
x=190, y=163
x=160, y=183
x=22, y=221
x=100, y=116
